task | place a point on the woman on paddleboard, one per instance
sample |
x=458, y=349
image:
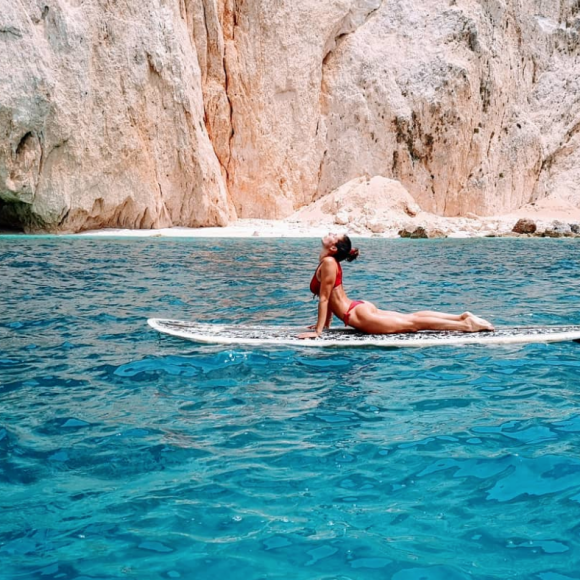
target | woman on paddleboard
x=365, y=316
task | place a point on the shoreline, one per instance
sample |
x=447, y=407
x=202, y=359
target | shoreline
x=471, y=226
x=449, y=228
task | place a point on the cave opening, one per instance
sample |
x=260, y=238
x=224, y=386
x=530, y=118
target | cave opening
x=15, y=216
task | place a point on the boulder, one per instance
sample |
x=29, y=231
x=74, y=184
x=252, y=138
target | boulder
x=525, y=226
x=558, y=229
x=377, y=204
x=419, y=233
x=436, y=233
x=422, y=232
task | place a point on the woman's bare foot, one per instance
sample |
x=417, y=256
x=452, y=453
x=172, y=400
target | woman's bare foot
x=477, y=324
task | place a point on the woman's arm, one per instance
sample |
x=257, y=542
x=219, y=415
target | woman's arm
x=328, y=271
x=328, y=319
x=327, y=323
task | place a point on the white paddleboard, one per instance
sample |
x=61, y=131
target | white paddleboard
x=348, y=337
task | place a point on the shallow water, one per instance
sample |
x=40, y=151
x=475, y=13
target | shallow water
x=127, y=455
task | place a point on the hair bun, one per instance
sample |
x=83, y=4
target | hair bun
x=352, y=255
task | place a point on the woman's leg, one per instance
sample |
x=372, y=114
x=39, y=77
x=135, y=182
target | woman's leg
x=368, y=319
x=467, y=322
x=444, y=315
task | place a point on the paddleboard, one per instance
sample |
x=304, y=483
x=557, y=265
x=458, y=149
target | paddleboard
x=348, y=337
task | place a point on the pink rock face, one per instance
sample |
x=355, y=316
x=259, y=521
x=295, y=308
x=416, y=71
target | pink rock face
x=195, y=112
x=448, y=100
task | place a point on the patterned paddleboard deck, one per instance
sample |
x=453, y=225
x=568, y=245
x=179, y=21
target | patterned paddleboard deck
x=347, y=337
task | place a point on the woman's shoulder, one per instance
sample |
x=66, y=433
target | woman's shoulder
x=328, y=261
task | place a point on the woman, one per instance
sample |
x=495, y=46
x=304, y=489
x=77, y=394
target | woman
x=364, y=316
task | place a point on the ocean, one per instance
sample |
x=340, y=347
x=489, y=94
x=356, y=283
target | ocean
x=124, y=454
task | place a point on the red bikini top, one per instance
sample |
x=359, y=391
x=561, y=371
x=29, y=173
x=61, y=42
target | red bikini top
x=315, y=282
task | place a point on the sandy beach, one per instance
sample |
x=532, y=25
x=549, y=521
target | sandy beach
x=543, y=214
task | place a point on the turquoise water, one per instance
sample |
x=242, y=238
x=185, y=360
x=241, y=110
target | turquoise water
x=127, y=455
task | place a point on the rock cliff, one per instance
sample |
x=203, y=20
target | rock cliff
x=196, y=112
x=102, y=118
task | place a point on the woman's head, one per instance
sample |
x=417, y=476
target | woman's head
x=340, y=247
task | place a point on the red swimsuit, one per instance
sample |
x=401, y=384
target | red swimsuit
x=315, y=282
x=315, y=289
x=352, y=306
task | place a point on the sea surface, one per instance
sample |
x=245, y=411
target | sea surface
x=127, y=455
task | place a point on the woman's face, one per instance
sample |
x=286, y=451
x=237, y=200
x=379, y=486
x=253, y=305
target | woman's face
x=329, y=240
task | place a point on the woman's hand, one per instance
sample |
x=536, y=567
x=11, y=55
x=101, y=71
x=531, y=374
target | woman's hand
x=309, y=334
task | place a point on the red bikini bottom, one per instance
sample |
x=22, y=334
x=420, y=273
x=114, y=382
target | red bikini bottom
x=352, y=306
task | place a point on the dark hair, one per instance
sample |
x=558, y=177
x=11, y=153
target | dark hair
x=344, y=250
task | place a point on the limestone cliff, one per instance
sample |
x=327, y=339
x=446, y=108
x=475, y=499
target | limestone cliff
x=101, y=118
x=195, y=112
x=461, y=101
